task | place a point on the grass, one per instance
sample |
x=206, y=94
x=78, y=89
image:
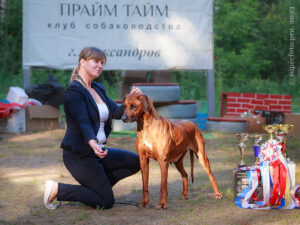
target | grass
x=124, y=133
x=26, y=162
x=82, y=216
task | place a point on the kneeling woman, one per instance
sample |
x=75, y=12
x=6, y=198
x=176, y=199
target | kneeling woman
x=89, y=113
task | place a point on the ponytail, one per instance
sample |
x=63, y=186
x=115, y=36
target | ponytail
x=75, y=71
x=77, y=77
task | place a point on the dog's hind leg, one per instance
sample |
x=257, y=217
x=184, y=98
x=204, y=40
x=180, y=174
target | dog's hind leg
x=192, y=164
x=202, y=158
x=185, y=181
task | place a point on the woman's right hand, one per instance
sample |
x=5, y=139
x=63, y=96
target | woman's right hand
x=135, y=90
x=97, y=149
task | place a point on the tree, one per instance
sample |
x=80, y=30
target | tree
x=251, y=41
x=11, y=36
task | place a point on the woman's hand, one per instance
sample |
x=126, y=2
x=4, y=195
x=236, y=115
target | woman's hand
x=135, y=90
x=97, y=149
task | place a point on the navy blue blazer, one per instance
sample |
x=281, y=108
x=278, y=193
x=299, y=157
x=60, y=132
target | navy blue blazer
x=82, y=117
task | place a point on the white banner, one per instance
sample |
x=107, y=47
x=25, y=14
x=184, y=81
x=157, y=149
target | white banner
x=135, y=34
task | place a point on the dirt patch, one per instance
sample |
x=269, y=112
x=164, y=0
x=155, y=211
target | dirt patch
x=27, y=160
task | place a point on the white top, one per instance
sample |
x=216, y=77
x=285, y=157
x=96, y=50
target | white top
x=103, y=112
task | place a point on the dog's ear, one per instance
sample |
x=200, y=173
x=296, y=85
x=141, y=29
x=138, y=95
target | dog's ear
x=146, y=103
x=123, y=100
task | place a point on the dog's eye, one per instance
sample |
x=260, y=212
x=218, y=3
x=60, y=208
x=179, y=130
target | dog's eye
x=133, y=107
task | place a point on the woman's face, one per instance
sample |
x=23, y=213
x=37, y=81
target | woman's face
x=93, y=67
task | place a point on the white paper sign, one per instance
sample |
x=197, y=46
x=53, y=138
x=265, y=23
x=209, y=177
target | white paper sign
x=135, y=34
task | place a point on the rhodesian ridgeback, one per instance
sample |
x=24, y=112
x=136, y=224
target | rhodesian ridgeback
x=165, y=141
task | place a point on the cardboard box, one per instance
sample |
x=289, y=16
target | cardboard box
x=255, y=125
x=14, y=124
x=43, y=117
x=295, y=120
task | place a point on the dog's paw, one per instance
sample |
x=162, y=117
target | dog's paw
x=161, y=206
x=219, y=195
x=184, y=197
x=143, y=204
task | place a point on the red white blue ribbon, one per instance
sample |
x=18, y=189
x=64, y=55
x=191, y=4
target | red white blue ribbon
x=274, y=183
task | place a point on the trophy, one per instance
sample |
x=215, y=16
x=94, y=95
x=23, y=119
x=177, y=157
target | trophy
x=242, y=138
x=271, y=129
x=281, y=134
x=256, y=148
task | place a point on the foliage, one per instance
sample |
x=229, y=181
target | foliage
x=192, y=84
x=235, y=37
x=10, y=46
x=11, y=36
x=252, y=40
x=7, y=80
x=110, y=80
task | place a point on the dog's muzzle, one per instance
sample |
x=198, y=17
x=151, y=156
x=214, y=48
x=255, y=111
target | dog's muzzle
x=127, y=119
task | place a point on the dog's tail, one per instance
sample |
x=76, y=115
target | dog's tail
x=192, y=165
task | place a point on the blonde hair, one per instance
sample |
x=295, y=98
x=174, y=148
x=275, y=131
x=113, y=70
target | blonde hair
x=87, y=53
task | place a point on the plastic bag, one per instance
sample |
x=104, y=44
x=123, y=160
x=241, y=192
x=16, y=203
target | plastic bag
x=51, y=93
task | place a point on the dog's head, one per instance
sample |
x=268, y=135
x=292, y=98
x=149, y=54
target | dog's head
x=136, y=105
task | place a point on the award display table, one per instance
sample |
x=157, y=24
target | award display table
x=254, y=187
x=270, y=182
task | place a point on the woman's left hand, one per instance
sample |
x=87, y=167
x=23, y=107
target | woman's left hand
x=101, y=154
x=97, y=149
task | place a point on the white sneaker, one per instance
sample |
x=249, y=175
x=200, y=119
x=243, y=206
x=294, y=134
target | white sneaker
x=48, y=188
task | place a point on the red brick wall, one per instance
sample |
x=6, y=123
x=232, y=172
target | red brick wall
x=234, y=104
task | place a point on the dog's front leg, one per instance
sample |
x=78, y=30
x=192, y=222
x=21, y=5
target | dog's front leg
x=164, y=164
x=144, y=164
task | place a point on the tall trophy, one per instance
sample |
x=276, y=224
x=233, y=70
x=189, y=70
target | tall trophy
x=241, y=146
x=271, y=129
x=256, y=148
x=281, y=134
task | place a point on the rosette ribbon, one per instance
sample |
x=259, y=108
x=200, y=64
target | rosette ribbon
x=295, y=203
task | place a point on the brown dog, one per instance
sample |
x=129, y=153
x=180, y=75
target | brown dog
x=164, y=141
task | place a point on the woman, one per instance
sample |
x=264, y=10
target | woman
x=89, y=113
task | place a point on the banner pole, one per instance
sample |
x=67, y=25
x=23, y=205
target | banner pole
x=211, y=92
x=26, y=77
x=210, y=83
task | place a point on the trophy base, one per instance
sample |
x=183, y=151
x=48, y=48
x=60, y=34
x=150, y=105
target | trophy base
x=241, y=164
